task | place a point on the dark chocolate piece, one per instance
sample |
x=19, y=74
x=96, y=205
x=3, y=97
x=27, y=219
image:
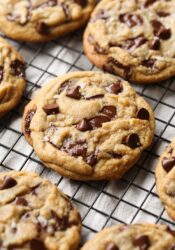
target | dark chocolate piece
x=8, y=182
x=50, y=109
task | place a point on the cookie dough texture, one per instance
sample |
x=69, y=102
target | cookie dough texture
x=133, y=237
x=133, y=39
x=165, y=179
x=35, y=215
x=12, y=77
x=88, y=125
x=43, y=20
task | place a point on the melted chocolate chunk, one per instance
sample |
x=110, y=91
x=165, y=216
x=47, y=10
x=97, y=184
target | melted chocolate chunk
x=133, y=43
x=154, y=44
x=84, y=125
x=115, y=88
x=109, y=111
x=37, y=244
x=168, y=163
x=97, y=121
x=142, y=242
x=172, y=232
x=1, y=73
x=76, y=149
x=18, y=68
x=132, y=141
x=125, y=68
x=8, y=182
x=42, y=28
x=21, y=201
x=12, y=17
x=99, y=49
x=91, y=160
x=149, y=63
x=116, y=155
x=82, y=3
x=51, y=109
x=74, y=93
x=149, y=2
x=160, y=31
x=61, y=224
x=163, y=14
x=173, y=247
x=63, y=86
x=28, y=119
x=143, y=114
x=95, y=97
x=109, y=68
x=130, y=19
x=65, y=9
x=111, y=246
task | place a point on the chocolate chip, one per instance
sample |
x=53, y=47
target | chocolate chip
x=12, y=17
x=28, y=119
x=95, y=97
x=1, y=73
x=74, y=93
x=97, y=121
x=168, y=163
x=82, y=3
x=36, y=244
x=133, y=43
x=149, y=63
x=8, y=182
x=51, y=109
x=173, y=247
x=160, y=31
x=91, y=160
x=132, y=141
x=61, y=224
x=172, y=232
x=130, y=19
x=21, y=201
x=109, y=111
x=111, y=246
x=149, y=2
x=126, y=68
x=116, y=155
x=65, y=9
x=84, y=125
x=142, y=242
x=109, y=68
x=163, y=14
x=143, y=114
x=115, y=88
x=63, y=86
x=42, y=28
x=18, y=68
x=76, y=149
x=99, y=49
x=154, y=44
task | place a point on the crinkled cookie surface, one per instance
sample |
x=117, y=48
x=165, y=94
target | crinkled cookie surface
x=35, y=215
x=89, y=125
x=41, y=20
x=133, y=38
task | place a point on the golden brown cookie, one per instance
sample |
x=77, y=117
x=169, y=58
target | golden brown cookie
x=133, y=39
x=165, y=178
x=133, y=237
x=43, y=20
x=88, y=125
x=36, y=215
x=12, y=77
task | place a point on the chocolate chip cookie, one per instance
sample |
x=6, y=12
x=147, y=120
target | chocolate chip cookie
x=35, y=214
x=165, y=178
x=133, y=39
x=133, y=237
x=43, y=20
x=12, y=77
x=88, y=125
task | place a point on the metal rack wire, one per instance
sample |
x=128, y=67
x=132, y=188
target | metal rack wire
x=131, y=199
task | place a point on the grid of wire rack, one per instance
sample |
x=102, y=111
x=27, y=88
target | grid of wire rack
x=131, y=199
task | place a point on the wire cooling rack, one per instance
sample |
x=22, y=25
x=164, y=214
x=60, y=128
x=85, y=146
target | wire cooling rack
x=133, y=198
